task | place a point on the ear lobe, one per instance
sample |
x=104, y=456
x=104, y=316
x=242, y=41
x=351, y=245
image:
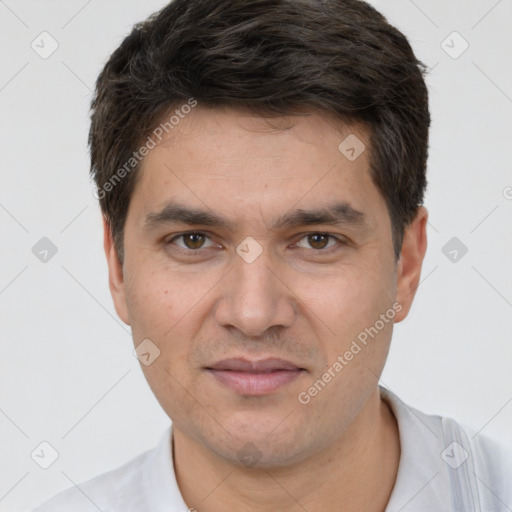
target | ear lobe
x=115, y=274
x=409, y=265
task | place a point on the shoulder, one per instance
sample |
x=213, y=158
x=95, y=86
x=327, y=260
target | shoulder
x=480, y=468
x=146, y=482
x=492, y=464
x=100, y=492
x=456, y=464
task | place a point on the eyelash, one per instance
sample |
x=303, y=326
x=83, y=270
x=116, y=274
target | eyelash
x=326, y=250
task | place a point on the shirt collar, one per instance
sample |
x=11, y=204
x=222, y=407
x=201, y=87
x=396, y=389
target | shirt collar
x=422, y=482
x=159, y=479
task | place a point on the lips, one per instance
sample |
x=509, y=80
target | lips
x=263, y=366
x=255, y=377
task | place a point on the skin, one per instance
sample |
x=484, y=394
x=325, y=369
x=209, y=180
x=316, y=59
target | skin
x=299, y=301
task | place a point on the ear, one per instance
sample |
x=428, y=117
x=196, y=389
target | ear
x=410, y=262
x=115, y=274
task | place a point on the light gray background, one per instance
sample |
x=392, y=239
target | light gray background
x=67, y=371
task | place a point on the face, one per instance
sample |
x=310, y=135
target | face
x=259, y=263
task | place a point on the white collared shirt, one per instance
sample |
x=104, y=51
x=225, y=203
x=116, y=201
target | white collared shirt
x=443, y=468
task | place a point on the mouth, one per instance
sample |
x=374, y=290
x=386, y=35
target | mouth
x=255, y=378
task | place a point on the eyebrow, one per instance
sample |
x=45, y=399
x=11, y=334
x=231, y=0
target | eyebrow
x=341, y=213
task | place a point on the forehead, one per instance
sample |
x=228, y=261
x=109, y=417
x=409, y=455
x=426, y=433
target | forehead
x=229, y=160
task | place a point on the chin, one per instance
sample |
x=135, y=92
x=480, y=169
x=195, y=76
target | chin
x=261, y=443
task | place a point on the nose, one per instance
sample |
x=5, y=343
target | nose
x=255, y=298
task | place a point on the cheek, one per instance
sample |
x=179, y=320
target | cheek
x=164, y=307
x=348, y=296
x=346, y=308
x=152, y=305
x=156, y=303
x=169, y=307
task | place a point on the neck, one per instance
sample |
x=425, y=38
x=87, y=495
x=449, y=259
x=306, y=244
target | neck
x=358, y=471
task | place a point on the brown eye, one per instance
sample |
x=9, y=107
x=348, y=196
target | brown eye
x=193, y=240
x=192, y=244
x=318, y=241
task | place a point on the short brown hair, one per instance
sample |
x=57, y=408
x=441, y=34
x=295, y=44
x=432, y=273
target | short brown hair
x=271, y=56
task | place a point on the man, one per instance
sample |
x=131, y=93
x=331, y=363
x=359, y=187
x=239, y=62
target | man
x=261, y=170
